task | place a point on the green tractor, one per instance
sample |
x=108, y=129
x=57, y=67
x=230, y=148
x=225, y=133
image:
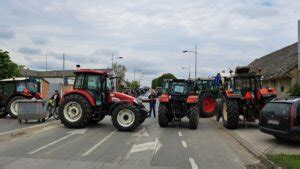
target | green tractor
x=209, y=97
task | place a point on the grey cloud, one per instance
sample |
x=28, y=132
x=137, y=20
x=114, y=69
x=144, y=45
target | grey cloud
x=7, y=34
x=39, y=41
x=29, y=51
x=256, y=13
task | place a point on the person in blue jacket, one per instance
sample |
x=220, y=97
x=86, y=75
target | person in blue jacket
x=218, y=80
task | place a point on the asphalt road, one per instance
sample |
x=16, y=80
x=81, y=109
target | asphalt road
x=101, y=146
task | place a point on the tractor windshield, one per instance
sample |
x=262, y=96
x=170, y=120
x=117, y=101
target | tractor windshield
x=179, y=88
x=252, y=83
x=109, y=84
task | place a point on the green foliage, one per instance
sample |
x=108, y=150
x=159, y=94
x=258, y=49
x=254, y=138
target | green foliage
x=120, y=72
x=133, y=85
x=286, y=161
x=294, y=91
x=158, y=81
x=8, y=68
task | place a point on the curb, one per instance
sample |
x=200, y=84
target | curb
x=252, y=149
x=24, y=130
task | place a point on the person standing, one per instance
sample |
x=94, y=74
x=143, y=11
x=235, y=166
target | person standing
x=218, y=80
x=56, y=98
x=152, y=103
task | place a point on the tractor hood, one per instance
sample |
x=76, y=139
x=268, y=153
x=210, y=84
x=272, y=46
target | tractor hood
x=117, y=97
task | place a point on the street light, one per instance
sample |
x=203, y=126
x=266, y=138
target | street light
x=189, y=68
x=195, y=52
x=135, y=70
x=112, y=60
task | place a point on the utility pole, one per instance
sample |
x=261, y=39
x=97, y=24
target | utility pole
x=46, y=63
x=63, y=74
x=298, y=76
x=196, y=62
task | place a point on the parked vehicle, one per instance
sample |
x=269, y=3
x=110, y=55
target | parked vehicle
x=281, y=118
x=178, y=100
x=207, y=93
x=12, y=90
x=246, y=98
x=93, y=97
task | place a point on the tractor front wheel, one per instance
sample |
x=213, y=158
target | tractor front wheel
x=163, y=116
x=193, y=117
x=75, y=111
x=230, y=114
x=125, y=117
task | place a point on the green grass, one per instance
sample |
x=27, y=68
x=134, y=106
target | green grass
x=286, y=161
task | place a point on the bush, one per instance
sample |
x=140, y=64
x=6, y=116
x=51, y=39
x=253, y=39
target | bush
x=294, y=91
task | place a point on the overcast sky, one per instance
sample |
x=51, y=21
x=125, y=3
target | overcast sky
x=149, y=34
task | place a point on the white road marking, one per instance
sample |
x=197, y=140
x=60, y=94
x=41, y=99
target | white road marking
x=179, y=133
x=98, y=144
x=71, y=133
x=193, y=163
x=184, y=144
x=146, y=146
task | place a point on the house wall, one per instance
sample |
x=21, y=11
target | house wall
x=44, y=89
x=280, y=85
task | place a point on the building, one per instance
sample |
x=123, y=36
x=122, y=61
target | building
x=278, y=69
x=54, y=79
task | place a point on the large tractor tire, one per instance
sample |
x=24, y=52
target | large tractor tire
x=3, y=113
x=193, y=116
x=125, y=117
x=96, y=121
x=163, y=116
x=219, y=111
x=11, y=107
x=230, y=114
x=207, y=104
x=75, y=111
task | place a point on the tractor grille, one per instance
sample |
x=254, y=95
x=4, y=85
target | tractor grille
x=178, y=98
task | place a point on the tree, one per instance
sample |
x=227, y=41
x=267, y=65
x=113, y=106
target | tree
x=120, y=72
x=8, y=68
x=133, y=85
x=158, y=81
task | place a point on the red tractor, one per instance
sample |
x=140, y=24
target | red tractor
x=93, y=97
x=12, y=90
x=246, y=98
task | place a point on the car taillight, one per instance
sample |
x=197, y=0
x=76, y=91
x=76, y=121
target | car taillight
x=292, y=123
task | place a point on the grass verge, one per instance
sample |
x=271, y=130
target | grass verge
x=286, y=161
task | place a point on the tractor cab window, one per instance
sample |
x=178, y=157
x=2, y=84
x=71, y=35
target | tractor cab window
x=21, y=86
x=93, y=82
x=32, y=87
x=109, y=84
x=79, y=81
x=179, y=88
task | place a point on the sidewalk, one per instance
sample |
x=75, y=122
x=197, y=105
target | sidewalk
x=264, y=143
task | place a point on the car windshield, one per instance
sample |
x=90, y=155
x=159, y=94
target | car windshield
x=179, y=88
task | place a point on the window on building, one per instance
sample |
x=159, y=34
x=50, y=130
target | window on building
x=282, y=88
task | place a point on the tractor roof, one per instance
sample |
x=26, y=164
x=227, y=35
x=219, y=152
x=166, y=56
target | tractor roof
x=91, y=71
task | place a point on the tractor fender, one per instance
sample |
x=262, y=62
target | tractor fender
x=164, y=98
x=84, y=94
x=116, y=104
x=232, y=95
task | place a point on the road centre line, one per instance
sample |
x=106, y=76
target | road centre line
x=193, y=163
x=184, y=144
x=98, y=144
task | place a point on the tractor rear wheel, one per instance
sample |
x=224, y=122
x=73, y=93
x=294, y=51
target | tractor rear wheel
x=230, y=114
x=12, y=106
x=96, y=121
x=75, y=111
x=125, y=117
x=207, y=105
x=193, y=117
x=163, y=116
